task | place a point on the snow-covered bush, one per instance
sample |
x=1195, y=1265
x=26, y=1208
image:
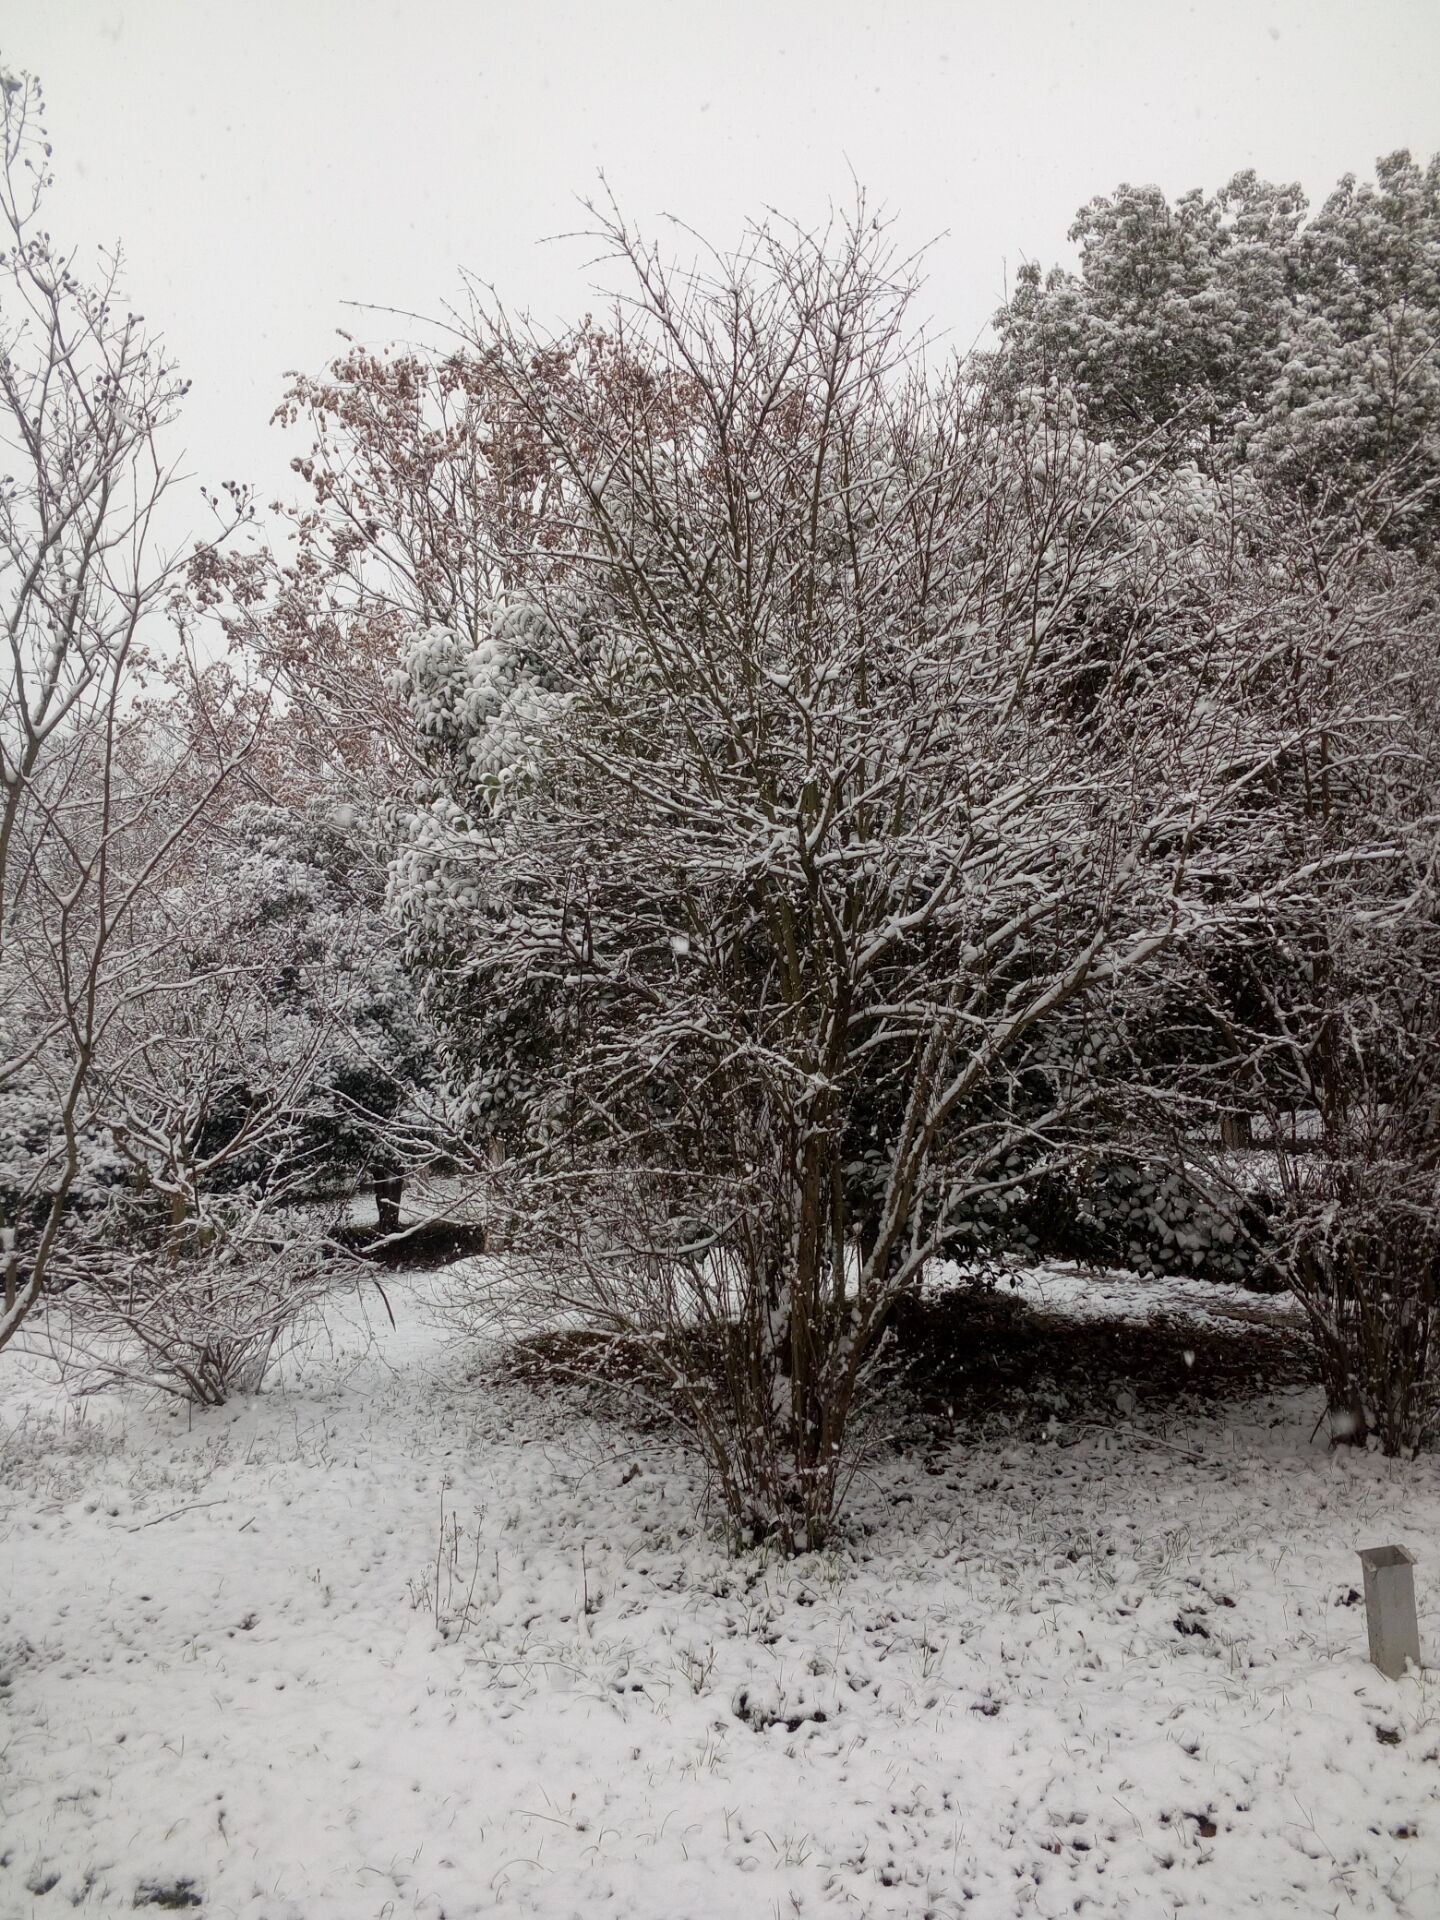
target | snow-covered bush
x=257, y=1046
x=1357, y=1219
x=201, y=1312
x=1329, y=997
x=1362, y=1252
x=1150, y=1218
x=1113, y=1210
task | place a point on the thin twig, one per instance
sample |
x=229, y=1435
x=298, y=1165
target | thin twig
x=194, y=1504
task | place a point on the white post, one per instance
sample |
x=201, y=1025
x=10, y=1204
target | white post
x=1390, y=1608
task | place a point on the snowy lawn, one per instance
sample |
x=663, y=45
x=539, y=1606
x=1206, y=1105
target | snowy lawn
x=1080, y=1666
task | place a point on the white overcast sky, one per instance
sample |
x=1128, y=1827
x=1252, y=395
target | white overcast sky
x=265, y=161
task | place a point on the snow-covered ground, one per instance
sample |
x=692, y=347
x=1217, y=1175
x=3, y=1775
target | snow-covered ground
x=397, y=1638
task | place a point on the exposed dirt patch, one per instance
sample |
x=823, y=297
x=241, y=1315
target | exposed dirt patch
x=551, y=1359
x=418, y=1249
x=985, y=1350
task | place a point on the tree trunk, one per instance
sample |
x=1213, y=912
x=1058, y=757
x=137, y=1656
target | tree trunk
x=387, y=1201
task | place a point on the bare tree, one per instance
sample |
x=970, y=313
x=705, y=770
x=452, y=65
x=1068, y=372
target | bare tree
x=425, y=481
x=96, y=801
x=858, y=724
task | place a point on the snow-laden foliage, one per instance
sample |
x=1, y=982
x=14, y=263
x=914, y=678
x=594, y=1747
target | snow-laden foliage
x=33, y=1145
x=304, y=900
x=1234, y=329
